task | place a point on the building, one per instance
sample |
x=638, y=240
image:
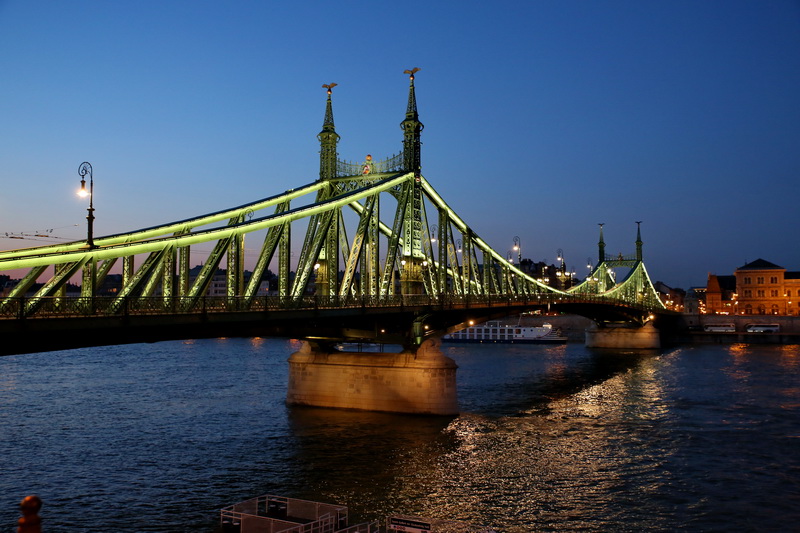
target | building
x=764, y=288
x=720, y=295
x=756, y=288
x=673, y=299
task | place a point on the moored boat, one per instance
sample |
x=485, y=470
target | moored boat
x=494, y=331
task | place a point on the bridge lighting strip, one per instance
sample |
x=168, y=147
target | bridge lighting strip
x=172, y=227
x=121, y=245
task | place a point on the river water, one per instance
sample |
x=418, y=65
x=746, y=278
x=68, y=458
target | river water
x=158, y=437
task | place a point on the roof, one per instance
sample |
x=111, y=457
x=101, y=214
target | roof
x=760, y=264
x=727, y=283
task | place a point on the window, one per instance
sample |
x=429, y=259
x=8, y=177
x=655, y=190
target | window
x=788, y=294
x=748, y=309
x=747, y=280
x=773, y=279
x=773, y=293
x=748, y=293
x=775, y=310
x=760, y=280
x=760, y=293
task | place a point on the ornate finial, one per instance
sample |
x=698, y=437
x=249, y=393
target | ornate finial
x=30, y=521
x=412, y=72
x=329, y=86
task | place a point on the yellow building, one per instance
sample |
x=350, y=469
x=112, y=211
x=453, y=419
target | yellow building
x=764, y=288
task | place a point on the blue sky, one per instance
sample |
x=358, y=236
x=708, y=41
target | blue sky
x=542, y=119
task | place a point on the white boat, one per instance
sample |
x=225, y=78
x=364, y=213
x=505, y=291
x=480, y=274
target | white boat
x=495, y=331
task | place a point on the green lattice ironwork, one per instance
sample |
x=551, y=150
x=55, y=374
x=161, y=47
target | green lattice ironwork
x=367, y=231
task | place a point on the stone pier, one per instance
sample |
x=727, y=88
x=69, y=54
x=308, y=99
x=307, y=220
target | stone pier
x=624, y=338
x=421, y=381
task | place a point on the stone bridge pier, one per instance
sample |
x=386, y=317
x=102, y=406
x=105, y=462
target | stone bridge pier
x=420, y=381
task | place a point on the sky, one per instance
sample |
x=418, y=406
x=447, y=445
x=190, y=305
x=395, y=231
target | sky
x=542, y=119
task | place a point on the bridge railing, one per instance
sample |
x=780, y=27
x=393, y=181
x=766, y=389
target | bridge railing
x=60, y=307
x=393, y=163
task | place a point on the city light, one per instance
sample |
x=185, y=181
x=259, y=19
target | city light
x=83, y=170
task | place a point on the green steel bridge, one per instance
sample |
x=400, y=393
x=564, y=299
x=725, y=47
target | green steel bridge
x=383, y=258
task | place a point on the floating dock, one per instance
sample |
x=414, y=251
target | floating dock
x=278, y=514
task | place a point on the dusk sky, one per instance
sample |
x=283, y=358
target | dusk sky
x=542, y=119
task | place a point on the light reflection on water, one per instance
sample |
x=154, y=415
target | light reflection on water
x=157, y=437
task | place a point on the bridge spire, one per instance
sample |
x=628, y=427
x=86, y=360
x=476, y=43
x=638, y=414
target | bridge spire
x=639, y=240
x=328, y=138
x=601, y=246
x=412, y=127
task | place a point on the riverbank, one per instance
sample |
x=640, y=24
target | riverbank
x=690, y=328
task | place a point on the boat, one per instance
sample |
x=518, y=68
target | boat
x=494, y=331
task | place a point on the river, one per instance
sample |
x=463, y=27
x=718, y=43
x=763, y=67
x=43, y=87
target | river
x=158, y=437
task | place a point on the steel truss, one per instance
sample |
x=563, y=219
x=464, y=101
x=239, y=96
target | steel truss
x=351, y=250
x=368, y=235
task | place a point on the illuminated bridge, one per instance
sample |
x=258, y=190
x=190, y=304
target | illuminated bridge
x=382, y=258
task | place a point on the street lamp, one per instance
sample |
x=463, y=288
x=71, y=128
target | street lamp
x=518, y=249
x=84, y=169
x=434, y=232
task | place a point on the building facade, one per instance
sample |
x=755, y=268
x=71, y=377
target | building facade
x=764, y=288
x=756, y=288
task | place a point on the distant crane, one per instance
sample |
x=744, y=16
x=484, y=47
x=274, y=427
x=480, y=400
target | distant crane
x=37, y=235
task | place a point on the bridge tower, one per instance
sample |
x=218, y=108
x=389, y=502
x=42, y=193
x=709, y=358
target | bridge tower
x=413, y=259
x=639, y=240
x=420, y=379
x=328, y=140
x=326, y=267
x=601, y=246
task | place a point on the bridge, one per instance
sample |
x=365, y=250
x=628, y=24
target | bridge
x=382, y=258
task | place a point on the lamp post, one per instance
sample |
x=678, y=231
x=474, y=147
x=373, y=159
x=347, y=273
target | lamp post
x=84, y=169
x=518, y=249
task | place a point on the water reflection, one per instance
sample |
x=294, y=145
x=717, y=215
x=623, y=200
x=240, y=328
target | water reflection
x=375, y=462
x=542, y=446
x=158, y=437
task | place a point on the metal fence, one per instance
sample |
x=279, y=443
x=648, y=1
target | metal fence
x=278, y=514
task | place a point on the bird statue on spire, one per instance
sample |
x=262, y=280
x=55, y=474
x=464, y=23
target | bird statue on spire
x=329, y=86
x=411, y=72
